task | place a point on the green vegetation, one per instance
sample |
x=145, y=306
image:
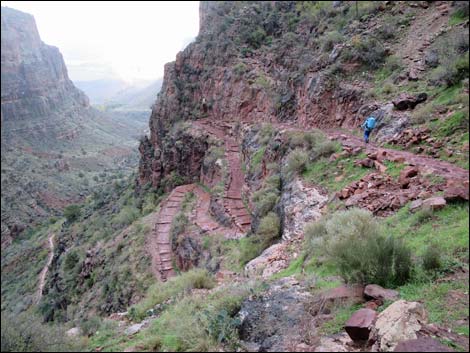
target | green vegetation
x=319, y=172
x=159, y=293
x=72, y=212
x=26, y=333
x=347, y=235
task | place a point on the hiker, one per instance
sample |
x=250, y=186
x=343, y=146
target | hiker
x=204, y=105
x=368, y=125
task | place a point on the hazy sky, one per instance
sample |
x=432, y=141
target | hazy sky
x=131, y=40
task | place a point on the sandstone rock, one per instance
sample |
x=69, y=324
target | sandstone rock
x=337, y=343
x=407, y=101
x=399, y=322
x=272, y=260
x=380, y=167
x=73, y=332
x=406, y=174
x=360, y=323
x=367, y=162
x=345, y=293
x=435, y=203
x=415, y=205
x=374, y=291
x=422, y=344
x=456, y=190
x=301, y=203
x=133, y=329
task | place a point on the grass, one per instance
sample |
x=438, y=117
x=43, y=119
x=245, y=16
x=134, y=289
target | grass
x=434, y=296
x=341, y=314
x=319, y=172
x=393, y=169
x=161, y=292
x=447, y=227
x=191, y=323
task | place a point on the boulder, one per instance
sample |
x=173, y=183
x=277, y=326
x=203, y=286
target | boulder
x=406, y=174
x=415, y=205
x=131, y=330
x=408, y=101
x=271, y=260
x=73, y=332
x=374, y=291
x=367, y=162
x=399, y=322
x=435, y=203
x=456, y=190
x=352, y=293
x=422, y=344
x=360, y=323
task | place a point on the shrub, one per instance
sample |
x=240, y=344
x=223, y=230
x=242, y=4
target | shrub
x=354, y=242
x=72, y=212
x=452, y=51
x=126, y=216
x=296, y=161
x=329, y=40
x=432, y=258
x=324, y=149
x=239, y=69
x=265, y=202
x=368, y=52
x=25, y=333
x=269, y=228
x=90, y=326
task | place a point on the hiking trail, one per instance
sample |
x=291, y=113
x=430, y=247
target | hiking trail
x=43, y=274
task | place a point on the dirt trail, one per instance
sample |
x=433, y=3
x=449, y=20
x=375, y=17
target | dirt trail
x=424, y=163
x=43, y=274
x=206, y=222
x=233, y=202
x=421, y=34
x=160, y=246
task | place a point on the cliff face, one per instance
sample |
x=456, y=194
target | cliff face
x=241, y=78
x=35, y=84
x=55, y=146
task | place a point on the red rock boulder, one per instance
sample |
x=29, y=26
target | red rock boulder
x=360, y=323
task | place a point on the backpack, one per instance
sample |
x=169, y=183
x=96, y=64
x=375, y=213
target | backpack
x=370, y=122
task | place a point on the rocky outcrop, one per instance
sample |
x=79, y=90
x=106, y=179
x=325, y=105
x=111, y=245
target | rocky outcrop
x=266, y=325
x=35, y=83
x=399, y=322
x=302, y=204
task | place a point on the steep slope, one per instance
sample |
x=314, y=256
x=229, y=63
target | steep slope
x=54, y=145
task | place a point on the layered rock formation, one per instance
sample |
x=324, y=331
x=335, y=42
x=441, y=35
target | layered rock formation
x=35, y=84
x=219, y=76
x=52, y=139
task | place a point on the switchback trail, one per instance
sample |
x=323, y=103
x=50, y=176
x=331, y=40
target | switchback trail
x=233, y=202
x=43, y=274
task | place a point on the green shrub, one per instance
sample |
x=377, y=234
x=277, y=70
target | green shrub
x=72, y=212
x=90, y=326
x=354, y=242
x=126, y=216
x=26, y=333
x=367, y=51
x=265, y=202
x=324, y=149
x=296, y=161
x=329, y=40
x=432, y=258
x=269, y=228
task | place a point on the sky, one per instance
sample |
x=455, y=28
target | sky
x=128, y=40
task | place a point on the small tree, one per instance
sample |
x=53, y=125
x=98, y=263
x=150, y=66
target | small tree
x=72, y=212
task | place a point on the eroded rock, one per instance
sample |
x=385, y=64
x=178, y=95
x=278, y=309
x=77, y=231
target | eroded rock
x=399, y=322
